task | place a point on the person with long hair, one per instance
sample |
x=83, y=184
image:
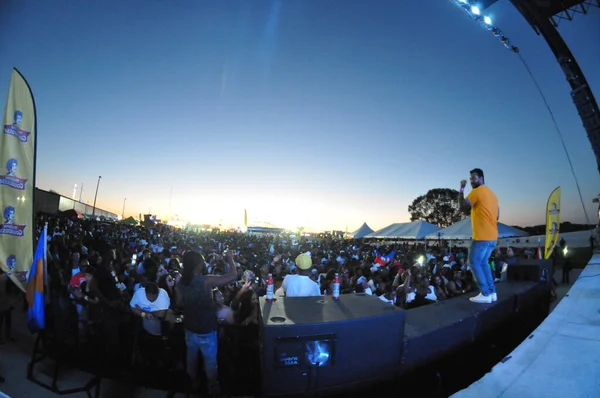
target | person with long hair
x=194, y=293
x=167, y=282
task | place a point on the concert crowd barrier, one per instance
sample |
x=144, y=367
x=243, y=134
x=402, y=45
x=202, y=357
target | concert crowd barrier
x=316, y=346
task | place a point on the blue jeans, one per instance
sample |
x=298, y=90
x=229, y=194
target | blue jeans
x=208, y=345
x=479, y=256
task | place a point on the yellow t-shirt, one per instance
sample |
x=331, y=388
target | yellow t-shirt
x=484, y=213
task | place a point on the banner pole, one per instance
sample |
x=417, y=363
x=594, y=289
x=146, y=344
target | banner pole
x=33, y=193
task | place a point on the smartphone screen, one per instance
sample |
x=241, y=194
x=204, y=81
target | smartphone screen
x=133, y=259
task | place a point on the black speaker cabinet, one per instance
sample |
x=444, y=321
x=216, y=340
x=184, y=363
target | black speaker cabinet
x=314, y=345
x=436, y=330
x=531, y=271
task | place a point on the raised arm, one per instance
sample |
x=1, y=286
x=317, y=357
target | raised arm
x=231, y=276
x=463, y=204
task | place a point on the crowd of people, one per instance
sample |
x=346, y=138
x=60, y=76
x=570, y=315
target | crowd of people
x=102, y=276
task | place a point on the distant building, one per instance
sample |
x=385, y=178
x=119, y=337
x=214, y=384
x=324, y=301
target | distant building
x=265, y=230
x=54, y=203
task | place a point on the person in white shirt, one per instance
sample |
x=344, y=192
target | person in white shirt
x=389, y=295
x=428, y=290
x=301, y=285
x=151, y=303
x=362, y=286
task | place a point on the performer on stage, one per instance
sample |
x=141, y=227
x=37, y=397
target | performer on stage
x=482, y=204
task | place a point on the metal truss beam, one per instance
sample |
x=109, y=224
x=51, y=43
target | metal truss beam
x=581, y=94
x=569, y=13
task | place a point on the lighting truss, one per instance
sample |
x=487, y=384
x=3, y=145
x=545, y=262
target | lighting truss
x=474, y=12
x=569, y=14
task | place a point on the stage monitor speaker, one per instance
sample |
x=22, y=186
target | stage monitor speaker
x=493, y=316
x=435, y=330
x=531, y=271
x=315, y=345
x=534, y=301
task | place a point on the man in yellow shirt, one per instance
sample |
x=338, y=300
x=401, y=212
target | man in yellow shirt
x=482, y=203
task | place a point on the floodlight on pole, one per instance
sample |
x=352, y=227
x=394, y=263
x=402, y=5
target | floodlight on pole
x=96, y=196
x=475, y=13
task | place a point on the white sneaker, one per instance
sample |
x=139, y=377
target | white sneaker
x=480, y=298
x=494, y=296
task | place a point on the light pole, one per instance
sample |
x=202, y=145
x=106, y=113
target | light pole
x=597, y=200
x=123, y=215
x=96, y=196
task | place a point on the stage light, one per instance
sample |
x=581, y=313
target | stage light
x=318, y=353
x=475, y=13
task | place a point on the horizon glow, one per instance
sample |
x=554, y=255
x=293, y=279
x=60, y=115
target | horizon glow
x=303, y=113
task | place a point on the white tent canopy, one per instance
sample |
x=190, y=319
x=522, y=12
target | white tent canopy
x=463, y=230
x=573, y=239
x=408, y=230
x=361, y=232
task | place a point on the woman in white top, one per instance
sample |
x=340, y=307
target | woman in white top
x=429, y=290
x=406, y=293
x=389, y=295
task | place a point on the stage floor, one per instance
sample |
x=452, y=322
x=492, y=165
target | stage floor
x=561, y=358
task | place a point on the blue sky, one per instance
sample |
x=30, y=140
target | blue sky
x=321, y=114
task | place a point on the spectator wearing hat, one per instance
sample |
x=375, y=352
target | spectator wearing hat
x=301, y=285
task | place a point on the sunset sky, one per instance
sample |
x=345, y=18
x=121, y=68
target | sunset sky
x=321, y=114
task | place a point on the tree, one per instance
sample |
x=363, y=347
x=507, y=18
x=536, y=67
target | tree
x=438, y=206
